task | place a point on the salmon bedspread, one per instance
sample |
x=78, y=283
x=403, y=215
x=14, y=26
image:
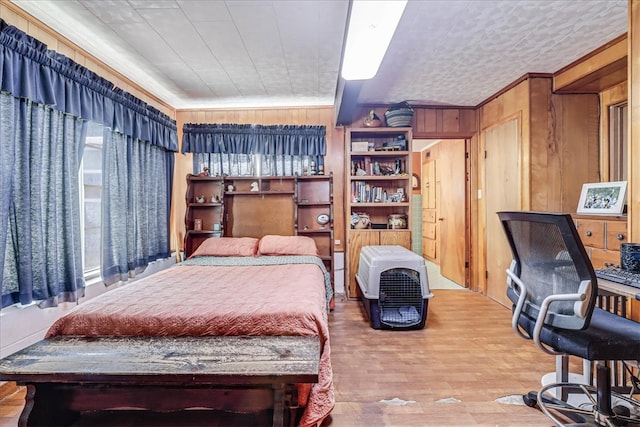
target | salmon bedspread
x=198, y=298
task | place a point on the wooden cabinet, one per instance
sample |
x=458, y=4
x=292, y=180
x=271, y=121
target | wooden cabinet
x=378, y=184
x=205, y=210
x=247, y=206
x=602, y=237
x=429, y=212
x=429, y=235
x=256, y=206
x=314, y=213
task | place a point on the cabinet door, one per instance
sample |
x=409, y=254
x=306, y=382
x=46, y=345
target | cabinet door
x=429, y=184
x=501, y=192
x=396, y=237
x=358, y=239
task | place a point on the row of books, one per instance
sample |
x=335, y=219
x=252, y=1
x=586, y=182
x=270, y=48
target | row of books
x=363, y=192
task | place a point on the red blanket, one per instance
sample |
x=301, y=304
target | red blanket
x=204, y=300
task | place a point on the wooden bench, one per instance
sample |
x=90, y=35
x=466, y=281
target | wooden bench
x=66, y=376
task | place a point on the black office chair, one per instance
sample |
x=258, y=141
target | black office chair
x=553, y=288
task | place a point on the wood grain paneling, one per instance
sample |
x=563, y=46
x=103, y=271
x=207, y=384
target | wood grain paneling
x=433, y=122
x=612, y=96
x=334, y=160
x=577, y=123
x=633, y=195
x=599, y=70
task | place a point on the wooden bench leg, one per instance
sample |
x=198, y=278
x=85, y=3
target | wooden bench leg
x=46, y=405
x=278, y=405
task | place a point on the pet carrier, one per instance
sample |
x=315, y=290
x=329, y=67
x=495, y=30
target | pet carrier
x=394, y=286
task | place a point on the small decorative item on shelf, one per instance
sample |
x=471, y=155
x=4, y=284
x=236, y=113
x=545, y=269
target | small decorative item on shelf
x=200, y=199
x=360, y=220
x=197, y=224
x=399, y=115
x=397, y=221
x=215, y=199
x=230, y=188
x=205, y=171
x=254, y=186
x=372, y=120
x=323, y=220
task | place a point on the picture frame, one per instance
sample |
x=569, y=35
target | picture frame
x=603, y=198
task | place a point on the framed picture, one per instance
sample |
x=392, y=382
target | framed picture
x=604, y=198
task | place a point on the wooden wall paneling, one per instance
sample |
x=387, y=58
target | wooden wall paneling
x=633, y=189
x=577, y=118
x=468, y=120
x=612, y=96
x=424, y=119
x=265, y=116
x=433, y=123
x=542, y=156
x=600, y=69
x=633, y=195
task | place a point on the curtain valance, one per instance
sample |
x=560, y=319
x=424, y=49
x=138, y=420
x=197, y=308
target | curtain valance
x=29, y=70
x=292, y=140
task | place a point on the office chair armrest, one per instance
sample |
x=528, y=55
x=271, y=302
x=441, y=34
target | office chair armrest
x=522, y=297
x=579, y=308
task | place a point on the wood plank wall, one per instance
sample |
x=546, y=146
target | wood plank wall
x=334, y=161
x=633, y=197
x=611, y=96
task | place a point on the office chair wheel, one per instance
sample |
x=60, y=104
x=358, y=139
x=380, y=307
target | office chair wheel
x=581, y=407
x=531, y=399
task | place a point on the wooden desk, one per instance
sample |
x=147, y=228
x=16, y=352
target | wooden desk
x=628, y=297
x=619, y=289
x=67, y=375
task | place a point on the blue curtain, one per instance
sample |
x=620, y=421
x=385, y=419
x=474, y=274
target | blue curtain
x=46, y=98
x=29, y=70
x=41, y=204
x=136, y=199
x=231, y=149
x=254, y=139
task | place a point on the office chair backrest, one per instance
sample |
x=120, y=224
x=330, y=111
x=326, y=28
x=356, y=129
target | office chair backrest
x=550, y=270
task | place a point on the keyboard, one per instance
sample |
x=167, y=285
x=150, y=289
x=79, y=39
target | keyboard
x=619, y=275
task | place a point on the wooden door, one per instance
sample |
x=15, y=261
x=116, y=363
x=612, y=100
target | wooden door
x=452, y=173
x=500, y=193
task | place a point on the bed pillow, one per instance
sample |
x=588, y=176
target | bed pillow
x=287, y=245
x=227, y=246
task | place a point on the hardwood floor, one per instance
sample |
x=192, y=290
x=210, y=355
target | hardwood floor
x=448, y=374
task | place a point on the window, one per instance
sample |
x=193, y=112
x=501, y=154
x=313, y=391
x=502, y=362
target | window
x=618, y=142
x=91, y=199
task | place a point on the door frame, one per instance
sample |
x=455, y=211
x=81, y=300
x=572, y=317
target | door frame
x=469, y=208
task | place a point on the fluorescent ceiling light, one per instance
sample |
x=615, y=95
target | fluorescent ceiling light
x=371, y=26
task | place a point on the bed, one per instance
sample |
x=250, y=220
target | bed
x=273, y=286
